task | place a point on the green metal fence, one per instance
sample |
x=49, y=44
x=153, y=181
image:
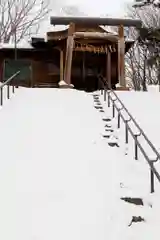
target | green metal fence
x=12, y=66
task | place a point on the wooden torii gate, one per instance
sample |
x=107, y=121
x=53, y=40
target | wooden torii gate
x=72, y=35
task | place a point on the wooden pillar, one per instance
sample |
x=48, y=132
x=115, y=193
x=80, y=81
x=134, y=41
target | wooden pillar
x=69, y=53
x=61, y=66
x=121, y=55
x=108, y=68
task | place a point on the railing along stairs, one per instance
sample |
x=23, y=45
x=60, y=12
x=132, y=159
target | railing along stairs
x=114, y=101
x=9, y=83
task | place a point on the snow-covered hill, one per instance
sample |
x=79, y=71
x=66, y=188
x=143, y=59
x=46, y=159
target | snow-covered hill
x=59, y=177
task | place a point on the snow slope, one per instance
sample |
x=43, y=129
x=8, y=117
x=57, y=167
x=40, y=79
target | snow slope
x=59, y=179
x=144, y=106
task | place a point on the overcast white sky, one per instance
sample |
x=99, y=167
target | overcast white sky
x=113, y=8
x=100, y=7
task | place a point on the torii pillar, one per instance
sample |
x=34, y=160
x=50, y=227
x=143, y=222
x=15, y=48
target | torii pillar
x=69, y=54
x=121, y=56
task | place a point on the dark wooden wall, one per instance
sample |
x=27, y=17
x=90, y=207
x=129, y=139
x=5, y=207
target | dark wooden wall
x=43, y=64
x=45, y=67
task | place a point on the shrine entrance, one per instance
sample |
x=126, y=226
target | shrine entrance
x=85, y=69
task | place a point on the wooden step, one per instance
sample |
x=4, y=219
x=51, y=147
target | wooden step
x=46, y=85
x=122, y=89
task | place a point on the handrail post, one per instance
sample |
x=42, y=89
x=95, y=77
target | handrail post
x=13, y=86
x=105, y=93
x=152, y=174
x=135, y=145
x=152, y=178
x=8, y=91
x=1, y=96
x=136, y=148
x=119, y=119
x=126, y=132
x=109, y=100
x=113, y=109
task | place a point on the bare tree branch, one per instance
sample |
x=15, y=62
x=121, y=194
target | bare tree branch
x=22, y=16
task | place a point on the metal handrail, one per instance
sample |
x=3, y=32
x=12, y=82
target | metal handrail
x=9, y=80
x=128, y=129
x=137, y=125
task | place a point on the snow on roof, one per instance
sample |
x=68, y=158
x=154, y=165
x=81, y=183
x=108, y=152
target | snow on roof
x=59, y=28
x=109, y=29
x=129, y=40
x=22, y=44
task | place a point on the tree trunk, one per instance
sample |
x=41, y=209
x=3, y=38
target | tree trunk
x=144, y=87
x=159, y=77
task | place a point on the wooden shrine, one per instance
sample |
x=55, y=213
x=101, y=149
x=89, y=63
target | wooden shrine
x=75, y=56
x=98, y=51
